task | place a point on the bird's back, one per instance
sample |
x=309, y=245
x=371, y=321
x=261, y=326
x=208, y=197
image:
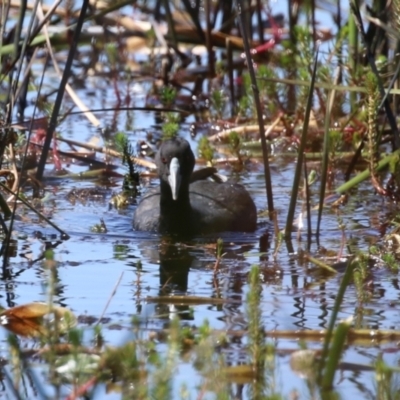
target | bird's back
x=222, y=207
x=147, y=214
x=215, y=207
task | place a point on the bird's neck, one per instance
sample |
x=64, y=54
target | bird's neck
x=175, y=215
x=181, y=204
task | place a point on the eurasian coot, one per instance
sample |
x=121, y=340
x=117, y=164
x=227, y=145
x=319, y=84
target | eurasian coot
x=180, y=207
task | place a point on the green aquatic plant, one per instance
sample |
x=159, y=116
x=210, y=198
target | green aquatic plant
x=390, y=262
x=387, y=380
x=360, y=275
x=373, y=100
x=218, y=102
x=206, y=150
x=257, y=347
x=131, y=182
x=168, y=95
x=171, y=126
x=235, y=144
x=163, y=376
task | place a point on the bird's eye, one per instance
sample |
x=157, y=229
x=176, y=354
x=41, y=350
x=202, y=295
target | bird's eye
x=164, y=160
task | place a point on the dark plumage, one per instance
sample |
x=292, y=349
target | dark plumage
x=180, y=207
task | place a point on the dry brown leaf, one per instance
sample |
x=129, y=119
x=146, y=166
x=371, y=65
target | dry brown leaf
x=30, y=319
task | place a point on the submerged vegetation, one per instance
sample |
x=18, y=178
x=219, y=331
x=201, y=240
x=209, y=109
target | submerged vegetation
x=257, y=91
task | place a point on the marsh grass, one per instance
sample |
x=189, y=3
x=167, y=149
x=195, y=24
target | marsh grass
x=147, y=366
x=286, y=90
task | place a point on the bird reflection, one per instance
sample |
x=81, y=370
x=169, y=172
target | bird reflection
x=175, y=263
x=175, y=295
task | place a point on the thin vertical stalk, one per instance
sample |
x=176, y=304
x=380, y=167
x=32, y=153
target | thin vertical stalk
x=297, y=175
x=229, y=56
x=10, y=72
x=351, y=263
x=194, y=15
x=4, y=10
x=293, y=16
x=390, y=87
x=313, y=23
x=371, y=60
x=21, y=53
x=209, y=43
x=227, y=18
x=396, y=24
x=171, y=25
x=15, y=92
x=260, y=22
x=339, y=42
x=335, y=353
x=248, y=17
x=255, y=327
x=267, y=173
x=325, y=155
x=6, y=242
x=353, y=57
x=61, y=90
x=22, y=10
x=308, y=205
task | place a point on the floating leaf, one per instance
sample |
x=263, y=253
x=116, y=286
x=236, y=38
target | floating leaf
x=33, y=319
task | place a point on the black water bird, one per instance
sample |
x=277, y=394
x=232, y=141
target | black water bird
x=180, y=207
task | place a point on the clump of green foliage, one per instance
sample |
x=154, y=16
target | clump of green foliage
x=373, y=100
x=218, y=102
x=171, y=126
x=131, y=178
x=205, y=149
x=235, y=144
x=168, y=96
x=270, y=93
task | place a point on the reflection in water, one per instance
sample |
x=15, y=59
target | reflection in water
x=177, y=259
x=175, y=262
x=10, y=274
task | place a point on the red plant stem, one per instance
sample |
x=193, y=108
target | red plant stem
x=81, y=390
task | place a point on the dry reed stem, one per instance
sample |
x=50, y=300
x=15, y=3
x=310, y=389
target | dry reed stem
x=87, y=113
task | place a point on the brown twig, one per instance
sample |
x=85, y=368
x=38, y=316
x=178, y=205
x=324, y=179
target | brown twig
x=63, y=234
x=61, y=90
x=110, y=297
